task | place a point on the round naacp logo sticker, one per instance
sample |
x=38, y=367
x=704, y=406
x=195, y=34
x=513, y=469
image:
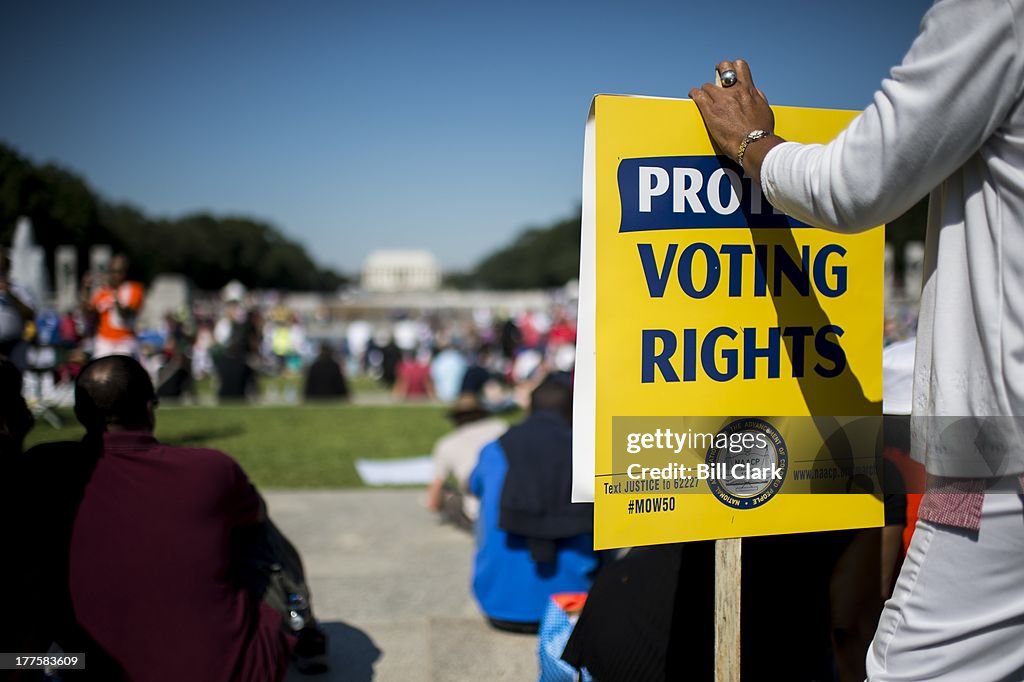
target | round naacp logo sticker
x=750, y=469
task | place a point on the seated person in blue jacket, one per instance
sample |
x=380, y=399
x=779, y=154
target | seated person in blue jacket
x=532, y=542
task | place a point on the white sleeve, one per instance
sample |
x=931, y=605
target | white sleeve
x=439, y=458
x=956, y=85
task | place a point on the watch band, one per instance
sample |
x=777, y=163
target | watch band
x=752, y=136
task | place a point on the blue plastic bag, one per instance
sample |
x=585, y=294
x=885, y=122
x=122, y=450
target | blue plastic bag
x=555, y=627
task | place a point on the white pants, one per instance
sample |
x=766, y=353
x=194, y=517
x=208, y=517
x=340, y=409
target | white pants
x=957, y=612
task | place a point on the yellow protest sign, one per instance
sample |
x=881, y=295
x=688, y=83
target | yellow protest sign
x=728, y=378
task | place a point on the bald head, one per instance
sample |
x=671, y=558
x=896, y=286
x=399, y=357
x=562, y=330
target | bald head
x=114, y=393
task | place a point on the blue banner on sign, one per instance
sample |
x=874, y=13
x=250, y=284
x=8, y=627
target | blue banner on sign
x=685, y=192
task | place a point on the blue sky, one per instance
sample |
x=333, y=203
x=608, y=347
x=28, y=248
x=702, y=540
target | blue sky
x=354, y=126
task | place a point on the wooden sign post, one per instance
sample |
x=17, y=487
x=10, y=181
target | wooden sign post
x=728, y=573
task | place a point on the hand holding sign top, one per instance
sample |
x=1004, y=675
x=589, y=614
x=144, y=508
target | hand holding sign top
x=731, y=113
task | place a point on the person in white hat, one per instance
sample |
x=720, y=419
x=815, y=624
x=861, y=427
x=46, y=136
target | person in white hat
x=455, y=455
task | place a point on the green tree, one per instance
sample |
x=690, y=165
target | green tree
x=538, y=258
x=209, y=250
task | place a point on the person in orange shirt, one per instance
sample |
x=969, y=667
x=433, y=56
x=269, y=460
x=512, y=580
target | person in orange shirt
x=117, y=304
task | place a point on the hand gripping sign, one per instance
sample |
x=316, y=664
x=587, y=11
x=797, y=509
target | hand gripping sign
x=728, y=379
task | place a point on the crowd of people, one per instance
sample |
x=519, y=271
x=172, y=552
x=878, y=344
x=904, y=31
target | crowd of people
x=508, y=486
x=225, y=344
x=238, y=562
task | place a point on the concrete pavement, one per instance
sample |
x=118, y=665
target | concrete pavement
x=391, y=586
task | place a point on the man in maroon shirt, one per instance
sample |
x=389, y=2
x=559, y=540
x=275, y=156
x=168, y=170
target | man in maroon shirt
x=153, y=572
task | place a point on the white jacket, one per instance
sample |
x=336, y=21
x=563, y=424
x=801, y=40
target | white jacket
x=948, y=121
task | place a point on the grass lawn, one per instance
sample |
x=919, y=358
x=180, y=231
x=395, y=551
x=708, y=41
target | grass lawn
x=293, y=446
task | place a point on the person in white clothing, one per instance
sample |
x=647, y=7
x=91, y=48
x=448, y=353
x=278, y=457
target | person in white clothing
x=16, y=310
x=454, y=457
x=949, y=122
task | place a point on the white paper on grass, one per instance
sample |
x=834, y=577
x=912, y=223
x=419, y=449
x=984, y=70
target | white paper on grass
x=411, y=471
x=584, y=419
